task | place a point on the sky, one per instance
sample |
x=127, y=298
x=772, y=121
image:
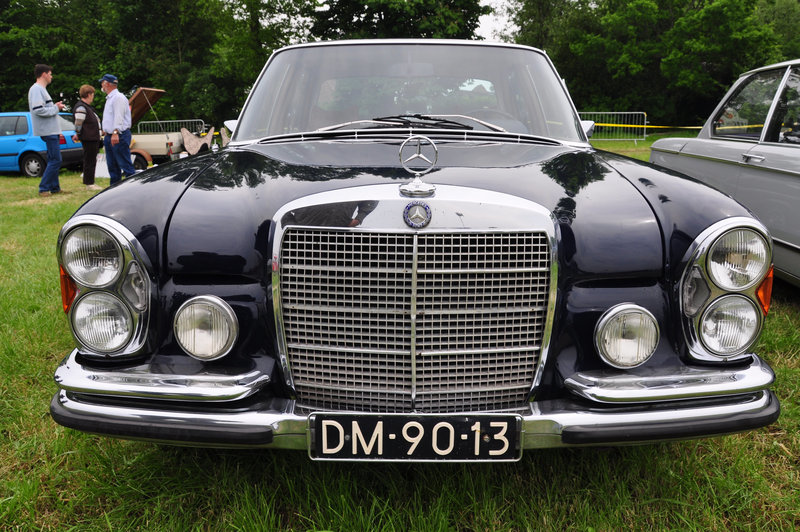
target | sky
x=491, y=24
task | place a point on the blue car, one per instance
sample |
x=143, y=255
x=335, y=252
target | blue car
x=21, y=151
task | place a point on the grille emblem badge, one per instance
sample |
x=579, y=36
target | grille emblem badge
x=417, y=214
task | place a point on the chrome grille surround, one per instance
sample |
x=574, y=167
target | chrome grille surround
x=454, y=317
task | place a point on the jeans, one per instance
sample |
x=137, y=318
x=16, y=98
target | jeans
x=118, y=157
x=49, y=182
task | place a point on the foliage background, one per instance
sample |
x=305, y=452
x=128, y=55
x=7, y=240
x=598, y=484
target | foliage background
x=672, y=59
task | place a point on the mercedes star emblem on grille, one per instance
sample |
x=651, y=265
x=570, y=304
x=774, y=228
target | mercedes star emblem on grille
x=417, y=214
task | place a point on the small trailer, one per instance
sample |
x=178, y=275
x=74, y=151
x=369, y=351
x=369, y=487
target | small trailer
x=160, y=140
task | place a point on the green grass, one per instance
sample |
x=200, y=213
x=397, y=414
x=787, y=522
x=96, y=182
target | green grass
x=53, y=478
x=639, y=149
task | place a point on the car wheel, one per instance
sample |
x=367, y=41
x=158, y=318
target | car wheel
x=139, y=162
x=32, y=165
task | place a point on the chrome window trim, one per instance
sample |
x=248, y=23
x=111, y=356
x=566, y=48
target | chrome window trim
x=392, y=193
x=132, y=251
x=698, y=257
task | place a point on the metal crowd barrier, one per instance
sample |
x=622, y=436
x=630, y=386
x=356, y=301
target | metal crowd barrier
x=617, y=126
x=171, y=126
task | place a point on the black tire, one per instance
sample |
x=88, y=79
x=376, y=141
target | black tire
x=32, y=165
x=139, y=162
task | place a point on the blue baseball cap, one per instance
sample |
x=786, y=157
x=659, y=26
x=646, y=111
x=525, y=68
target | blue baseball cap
x=111, y=78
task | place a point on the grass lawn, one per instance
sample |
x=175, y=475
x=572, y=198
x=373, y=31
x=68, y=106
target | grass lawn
x=53, y=478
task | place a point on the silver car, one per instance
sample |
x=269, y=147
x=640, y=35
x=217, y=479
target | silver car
x=750, y=149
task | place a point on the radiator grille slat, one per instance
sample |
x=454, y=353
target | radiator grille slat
x=347, y=300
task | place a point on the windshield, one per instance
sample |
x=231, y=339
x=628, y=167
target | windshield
x=426, y=85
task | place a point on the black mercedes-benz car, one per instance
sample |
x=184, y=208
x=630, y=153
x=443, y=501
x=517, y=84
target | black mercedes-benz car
x=410, y=251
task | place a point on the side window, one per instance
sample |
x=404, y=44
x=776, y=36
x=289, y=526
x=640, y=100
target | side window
x=785, y=125
x=22, y=126
x=745, y=113
x=8, y=125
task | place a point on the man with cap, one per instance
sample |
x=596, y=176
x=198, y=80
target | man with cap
x=117, y=129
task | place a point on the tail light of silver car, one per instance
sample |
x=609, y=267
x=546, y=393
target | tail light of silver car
x=104, y=284
x=726, y=288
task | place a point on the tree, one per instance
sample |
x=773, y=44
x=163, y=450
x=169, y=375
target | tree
x=670, y=58
x=783, y=18
x=372, y=19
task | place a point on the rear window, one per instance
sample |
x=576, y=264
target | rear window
x=66, y=122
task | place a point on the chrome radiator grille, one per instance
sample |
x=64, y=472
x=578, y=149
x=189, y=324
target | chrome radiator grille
x=425, y=322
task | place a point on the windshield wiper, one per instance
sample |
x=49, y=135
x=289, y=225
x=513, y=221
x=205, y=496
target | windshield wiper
x=417, y=119
x=373, y=122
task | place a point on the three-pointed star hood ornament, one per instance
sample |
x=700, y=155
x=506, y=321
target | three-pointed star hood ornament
x=418, y=155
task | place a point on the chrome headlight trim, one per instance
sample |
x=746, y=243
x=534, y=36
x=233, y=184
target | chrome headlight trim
x=134, y=259
x=697, y=273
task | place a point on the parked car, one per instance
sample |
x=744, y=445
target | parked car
x=750, y=148
x=410, y=251
x=21, y=151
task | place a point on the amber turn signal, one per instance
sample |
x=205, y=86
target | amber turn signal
x=764, y=292
x=68, y=289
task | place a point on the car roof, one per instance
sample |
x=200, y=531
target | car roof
x=782, y=64
x=18, y=113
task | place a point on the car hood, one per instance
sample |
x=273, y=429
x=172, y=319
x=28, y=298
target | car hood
x=220, y=207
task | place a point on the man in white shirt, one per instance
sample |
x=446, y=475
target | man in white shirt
x=117, y=129
x=44, y=117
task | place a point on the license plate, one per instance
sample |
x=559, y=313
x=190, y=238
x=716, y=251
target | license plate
x=396, y=437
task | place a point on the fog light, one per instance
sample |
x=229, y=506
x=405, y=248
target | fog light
x=206, y=327
x=91, y=256
x=626, y=336
x=730, y=325
x=102, y=322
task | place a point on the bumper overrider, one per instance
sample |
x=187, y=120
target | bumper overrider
x=604, y=408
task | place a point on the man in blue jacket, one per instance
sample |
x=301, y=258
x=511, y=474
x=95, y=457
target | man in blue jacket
x=44, y=116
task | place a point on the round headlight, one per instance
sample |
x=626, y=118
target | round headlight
x=206, y=327
x=738, y=259
x=91, y=256
x=626, y=336
x=730, y=325
x=102, y=322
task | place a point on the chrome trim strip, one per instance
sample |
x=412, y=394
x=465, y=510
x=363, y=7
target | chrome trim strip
x=291, y=430
x=686, y=383
x=142, y=382
x=785, y=244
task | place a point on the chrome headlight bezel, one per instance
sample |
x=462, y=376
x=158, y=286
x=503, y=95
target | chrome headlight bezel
x=132, y=285
x=699, y=289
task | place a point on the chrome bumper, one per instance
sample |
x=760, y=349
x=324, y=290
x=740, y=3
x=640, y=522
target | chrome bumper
x=685, y=404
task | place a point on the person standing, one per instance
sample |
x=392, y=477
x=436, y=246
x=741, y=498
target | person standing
x=117, y=130
x=44, y=117
x=87, y=130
